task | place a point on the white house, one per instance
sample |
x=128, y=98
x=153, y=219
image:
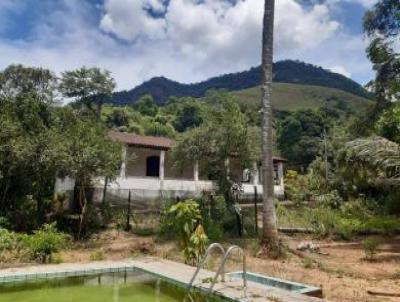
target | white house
x=147, y=172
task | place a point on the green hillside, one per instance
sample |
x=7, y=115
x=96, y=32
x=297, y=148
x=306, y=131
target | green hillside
x=290, y=97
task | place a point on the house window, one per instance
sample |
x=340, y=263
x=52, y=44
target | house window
x=153, y=166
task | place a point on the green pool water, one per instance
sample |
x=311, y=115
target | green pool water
x=112, y=287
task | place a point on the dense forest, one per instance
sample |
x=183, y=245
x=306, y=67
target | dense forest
x=287, y=71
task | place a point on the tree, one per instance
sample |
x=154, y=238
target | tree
x=146, y=106
x=39, y=141
x=382, y=26
x=379, y=155
x=300, y=134
x=270, y=231
x=383, y=19
x=20, y=80
x=30, y=147
x=90, y=154
x=187, y=112
x=88, y=86
x=224, y=134
x=388, y=123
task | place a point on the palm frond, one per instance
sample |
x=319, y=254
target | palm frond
x=377, y=153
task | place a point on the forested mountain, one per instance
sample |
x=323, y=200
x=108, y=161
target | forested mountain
x=284, y=71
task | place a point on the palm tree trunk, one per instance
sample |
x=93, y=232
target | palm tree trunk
x=270, y=231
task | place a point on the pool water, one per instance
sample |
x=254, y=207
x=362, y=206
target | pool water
x=110, y=287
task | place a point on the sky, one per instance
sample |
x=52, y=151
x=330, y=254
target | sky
x=184, y=40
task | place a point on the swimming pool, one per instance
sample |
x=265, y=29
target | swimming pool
x=144, y=279
x=132, y=286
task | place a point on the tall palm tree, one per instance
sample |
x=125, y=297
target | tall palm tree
x=270, y=231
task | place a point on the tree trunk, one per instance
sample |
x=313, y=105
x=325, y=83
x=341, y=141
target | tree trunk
x=83, y=204
x=270, y=231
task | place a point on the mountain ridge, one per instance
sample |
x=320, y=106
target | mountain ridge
x=287, y=71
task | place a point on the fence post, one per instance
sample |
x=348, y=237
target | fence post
x=128, y=215
x=255, y=210
x=103, y=202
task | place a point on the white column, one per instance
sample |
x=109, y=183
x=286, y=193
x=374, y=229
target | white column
x=196, y=171
x=162, y=163
x=255, y=173
x=280, y=173
x=161, y=173
x=122, y=172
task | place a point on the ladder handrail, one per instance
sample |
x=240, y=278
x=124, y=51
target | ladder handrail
x=201, y=264
x=221, y=268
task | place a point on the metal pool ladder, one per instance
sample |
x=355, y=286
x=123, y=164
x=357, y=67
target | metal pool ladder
x=222, y=266
x=203, y=262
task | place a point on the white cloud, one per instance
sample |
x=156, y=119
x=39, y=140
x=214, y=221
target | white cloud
x=200, y=27
x=215, y=34
x=129, y=20
x=194, y=41
x=341, y=70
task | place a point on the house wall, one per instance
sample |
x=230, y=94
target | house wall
x=136, y=164
x=136, y=160
x=186, y=173
x=175, y=183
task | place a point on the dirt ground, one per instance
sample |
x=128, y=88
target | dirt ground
x=343, y=274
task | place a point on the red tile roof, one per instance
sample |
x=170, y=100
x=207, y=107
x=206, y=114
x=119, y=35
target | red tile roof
x=142, y=141
x=154, y=142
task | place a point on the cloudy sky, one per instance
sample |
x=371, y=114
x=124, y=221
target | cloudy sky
x=185, y=40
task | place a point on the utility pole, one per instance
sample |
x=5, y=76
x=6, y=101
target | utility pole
x=326, y=156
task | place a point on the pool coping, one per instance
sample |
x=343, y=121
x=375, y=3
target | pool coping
x=176, y=273
x=304, y=288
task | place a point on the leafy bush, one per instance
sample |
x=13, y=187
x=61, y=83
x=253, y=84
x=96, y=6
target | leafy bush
x=356, y=208
x=44, y=242
x=382, y=225
x=4, y=222
x=184, y=220
x=392, y=203
x=181, y=219
x=322, y=220
x=330, y=200
x=370, y=246
x=297, y=187
x=214, y=231
x=11, y=241
x=197, y=246
x=97, y=255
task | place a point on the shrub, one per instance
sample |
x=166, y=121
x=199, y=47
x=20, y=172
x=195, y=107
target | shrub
x=323, y=221
x=297, y=187
x=330, y=200
x=345, y=228
x=97, y=255
x=4, y=222
x=44, y=242
x=214, y=231
x=370, y=246
x=12, y=242
x=356, y=208
x=181, y=219
x=184, y=220
x=392, y=203
x=196, y=247
x=8, y=240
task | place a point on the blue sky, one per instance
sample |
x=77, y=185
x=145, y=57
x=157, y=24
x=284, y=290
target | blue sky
x=185, y=40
